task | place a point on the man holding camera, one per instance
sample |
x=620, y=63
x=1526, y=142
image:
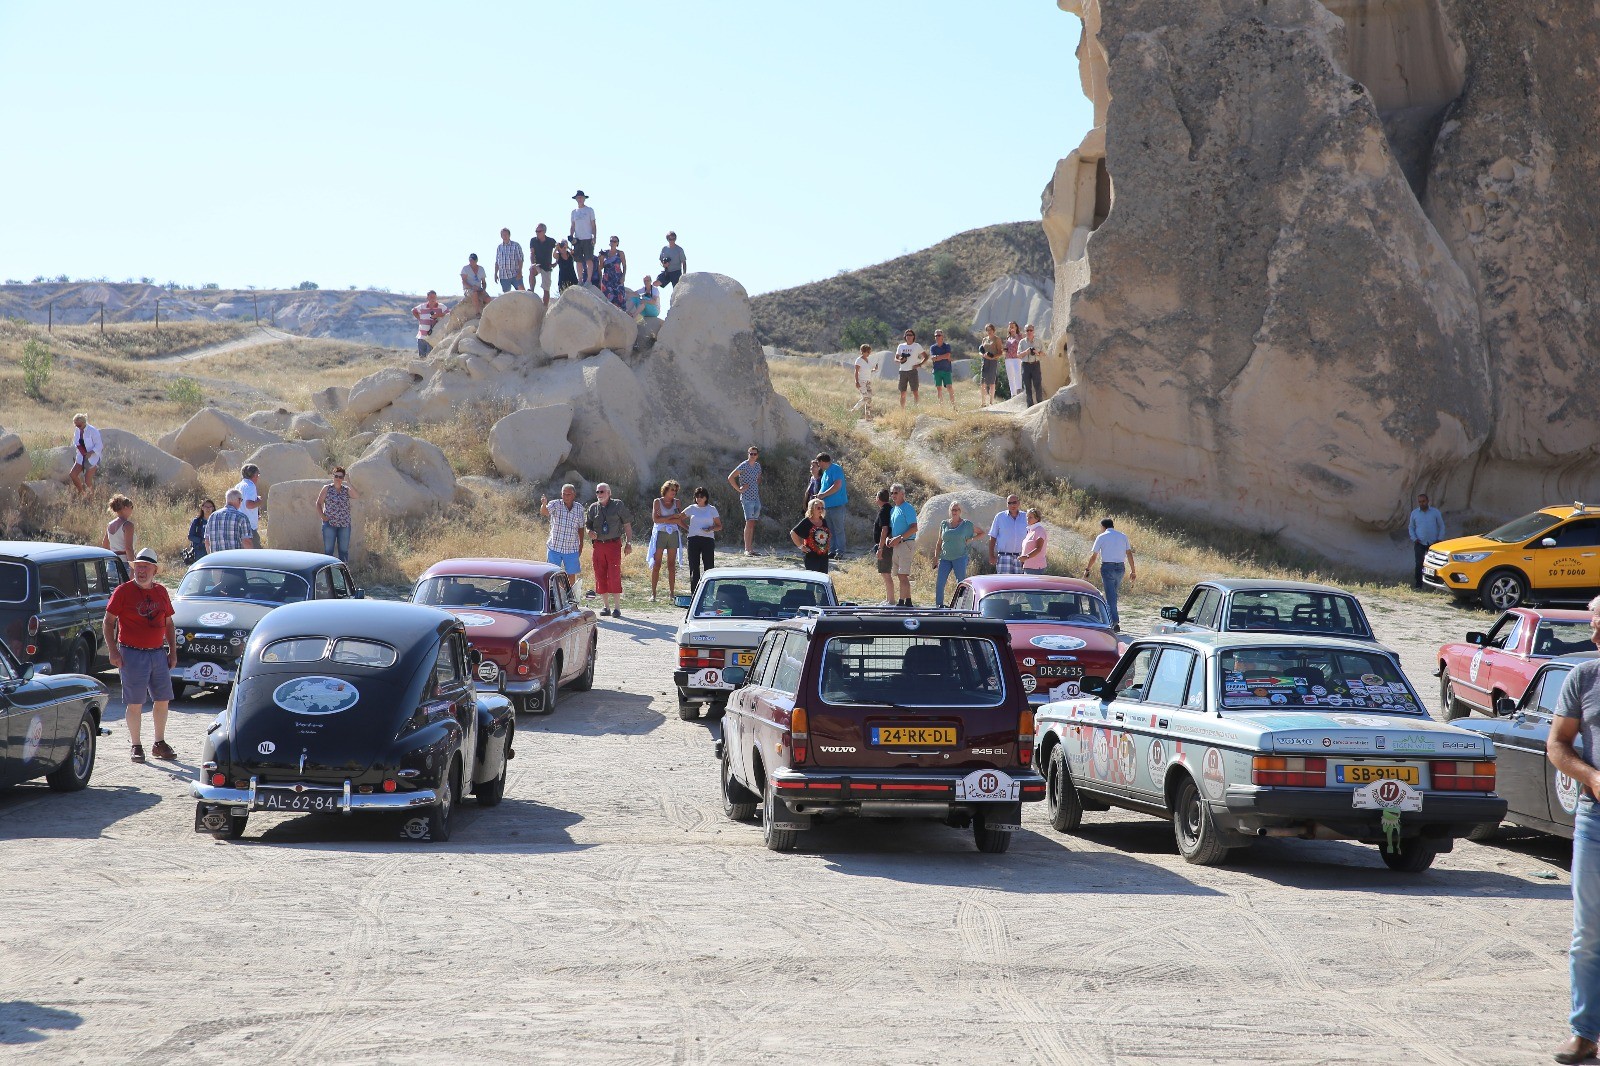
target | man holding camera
x=910, y=357
x=674, y=264
x=1029, y=351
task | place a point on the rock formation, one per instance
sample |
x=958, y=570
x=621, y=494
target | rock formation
x=1316, y=257
x=293, y=520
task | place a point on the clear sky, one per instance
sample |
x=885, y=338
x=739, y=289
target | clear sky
x=376, y=144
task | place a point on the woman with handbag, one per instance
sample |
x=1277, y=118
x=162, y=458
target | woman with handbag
x=197, y=532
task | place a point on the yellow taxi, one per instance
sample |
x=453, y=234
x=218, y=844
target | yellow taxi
x=1549, y=555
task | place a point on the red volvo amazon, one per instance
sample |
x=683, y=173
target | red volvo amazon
x=1060, y=629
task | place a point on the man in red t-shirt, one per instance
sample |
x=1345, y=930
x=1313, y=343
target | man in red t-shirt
x=143, y=645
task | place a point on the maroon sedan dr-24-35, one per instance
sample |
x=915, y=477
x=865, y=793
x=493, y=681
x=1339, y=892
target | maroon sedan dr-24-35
x=1474, y=673
x=1060, y=629
x=521, y=615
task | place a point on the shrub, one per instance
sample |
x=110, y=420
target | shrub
x=945, y=267
x=37, y=362
x=307, y=286
x=186, y=393
x=859, y=331
x=210, y=285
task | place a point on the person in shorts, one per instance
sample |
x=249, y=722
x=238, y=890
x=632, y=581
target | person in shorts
x=903, y=539
x=746, y=481
x=943, y=369
x=911, y=357
x=564, y=546
x=885, y=554
x=991, y=350
x=674, y=264
x=142, y=643
x=541, y=260
x=611, y=533
x=862, y=368
x=581, y=234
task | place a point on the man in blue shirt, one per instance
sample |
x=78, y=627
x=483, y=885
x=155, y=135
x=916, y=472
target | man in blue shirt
x=902, y=539
x=1426, y=528
x=831, y=490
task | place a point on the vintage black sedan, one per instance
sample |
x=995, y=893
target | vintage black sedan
x=223, y=597
x=354, y=707
x=49, y=726
x=1538, y=795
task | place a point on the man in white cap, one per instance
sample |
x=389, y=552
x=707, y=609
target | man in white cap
x=142, y=643
x=581, y=233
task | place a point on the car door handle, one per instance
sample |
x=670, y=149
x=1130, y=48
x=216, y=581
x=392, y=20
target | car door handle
x=1118, y=716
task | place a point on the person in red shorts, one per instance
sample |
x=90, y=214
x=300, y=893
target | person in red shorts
x=143, y=645
x=612, y=533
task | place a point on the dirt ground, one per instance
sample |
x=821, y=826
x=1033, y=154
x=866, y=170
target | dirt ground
x=607, y=913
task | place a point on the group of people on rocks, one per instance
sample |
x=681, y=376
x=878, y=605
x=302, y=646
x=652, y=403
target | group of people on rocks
x=573, y=261
x=1021, y=352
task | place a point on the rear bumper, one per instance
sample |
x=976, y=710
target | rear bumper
x=1442, y=814
x=349, y=800
x=509, y=688
x=889, y=786
x=701, y=694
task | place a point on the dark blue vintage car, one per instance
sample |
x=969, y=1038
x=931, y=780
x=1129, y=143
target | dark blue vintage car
x=49, y=726
x=354, y=706
x=1538, y=795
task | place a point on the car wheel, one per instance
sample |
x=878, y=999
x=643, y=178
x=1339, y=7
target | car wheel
x=1451, y=707
x=585, y=680
x=1484, y=833
x=1415, y=855
x=179, y=688
x=716, y=709
x=235, y=827
x=78, y=658
x=492, y=792
x=440, y=815
x=74, y=773
x=1197, y=835
x=989, y=841
x=688, y=710
x=1061, y=795
x=775, y=836
x=738, y=802
x=552, y=687
x=1503, y=590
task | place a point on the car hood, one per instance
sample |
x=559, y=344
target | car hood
x=488, y=626
x=1475, y=544
x=1042, y=639
x=218, y=615
x=737, y=632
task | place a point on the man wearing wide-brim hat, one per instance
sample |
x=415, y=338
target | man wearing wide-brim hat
x=142, y=644
x=582, y=233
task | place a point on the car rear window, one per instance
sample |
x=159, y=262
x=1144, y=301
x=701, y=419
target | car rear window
x=897, y=671
x=360, y=652
x=295, y=650
x=13, y=583
x=495, y=593
x=758, y=597
x=1295, y=611
x=1255, y=678
x=1046, y=605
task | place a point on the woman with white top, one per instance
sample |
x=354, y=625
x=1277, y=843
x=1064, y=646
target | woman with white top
x=666, y=537
x=119, y=531
x=704, y=525
x=1013, y=358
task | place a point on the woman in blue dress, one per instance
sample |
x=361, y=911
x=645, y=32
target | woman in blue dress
x=614, y=269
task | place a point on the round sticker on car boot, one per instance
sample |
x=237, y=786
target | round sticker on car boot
x=216, y=618
x=1057, y=642
x=473, y=620
x=35, y=739
x=1216, y=780
x=266, y=747
x=316, y=695
x=1567, y=791
x=1156, y=760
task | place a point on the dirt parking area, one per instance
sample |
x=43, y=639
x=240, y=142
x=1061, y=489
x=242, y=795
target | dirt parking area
x=607, y=913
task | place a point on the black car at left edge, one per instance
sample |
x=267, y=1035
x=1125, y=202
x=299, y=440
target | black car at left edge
x=354, y=707
x=49, y=726
x=52, y=601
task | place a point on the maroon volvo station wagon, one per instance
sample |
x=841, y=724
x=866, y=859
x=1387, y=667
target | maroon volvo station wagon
x=880, y=712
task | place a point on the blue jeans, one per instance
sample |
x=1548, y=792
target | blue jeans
x=1111, y=578
x=336, y=541
x=507, y=284
x=1585, y=958
x=947, y=567
x=836, y=523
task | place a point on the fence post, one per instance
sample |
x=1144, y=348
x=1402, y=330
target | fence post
x=256, y=307
x=158, y=325
x=102, y=319
x=50, y=318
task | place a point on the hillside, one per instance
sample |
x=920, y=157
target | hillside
x=365, y=316
x=938, y=284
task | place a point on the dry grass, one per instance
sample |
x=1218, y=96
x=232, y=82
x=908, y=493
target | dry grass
x=141, y=340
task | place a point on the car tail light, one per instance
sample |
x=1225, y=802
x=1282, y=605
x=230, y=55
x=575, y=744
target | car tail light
x=524, y=650
x=390, y=785
x=799, y=735
x=33, y=625
x=219, y=779
x=31, y=649
x=1463, y=776
x=701, y=658
x=1281, y=770
x=1025, y=738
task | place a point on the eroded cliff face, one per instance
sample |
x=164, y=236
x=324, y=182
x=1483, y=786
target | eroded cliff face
x=1316, y=257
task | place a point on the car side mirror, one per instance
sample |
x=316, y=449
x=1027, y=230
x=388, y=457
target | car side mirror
x=735, y=676
x=1548, y=542
x=1092, y=685
x=358, y=594
x=681, y=601
x=33, y=670
x=1505, y=706
x=1172, y=614
x=1478, y=638
x=475, y=657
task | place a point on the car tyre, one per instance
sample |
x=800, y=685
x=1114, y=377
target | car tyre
x=489, y=793
x=552, y=687
x=74, y=773
x=716, y=709
x=1451, y=707
x=1503, y=590
x=1199, y=840
x=585, y=680
x=179, y=688
x=989, y=841
x=79, y=657
x=738, y=802
x=1415, y=855
x=775, y=836
x=1485, y=832
x=688, y=710
x=442, y=814
x=1061, y=795
x=235, y=830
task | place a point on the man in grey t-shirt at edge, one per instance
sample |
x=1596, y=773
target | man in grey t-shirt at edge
x=1572, y=747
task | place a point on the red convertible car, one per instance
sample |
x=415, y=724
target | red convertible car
x=521, y=615
x=1060, y=629
x=1475, y=674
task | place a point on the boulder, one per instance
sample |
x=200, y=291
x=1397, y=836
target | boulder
x=978, y=507
x=228, y=461
x=372, y=396
x=36, y=498
x=294, y=522
x=309, y=427
x=529, y=444
x=582, y=322
x=273, y=421
x=210, y=430
x=512, y=323
x=401, y=476
x=57, y=465
x=286, y=461
x=649, y=329
x=128, y=458
x=609, y=423
x=479, y=484
x=331, y=400
x=1017, y=298
x=460, y=316
x=14, y=462
x=357, y=443
x=468, y=345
